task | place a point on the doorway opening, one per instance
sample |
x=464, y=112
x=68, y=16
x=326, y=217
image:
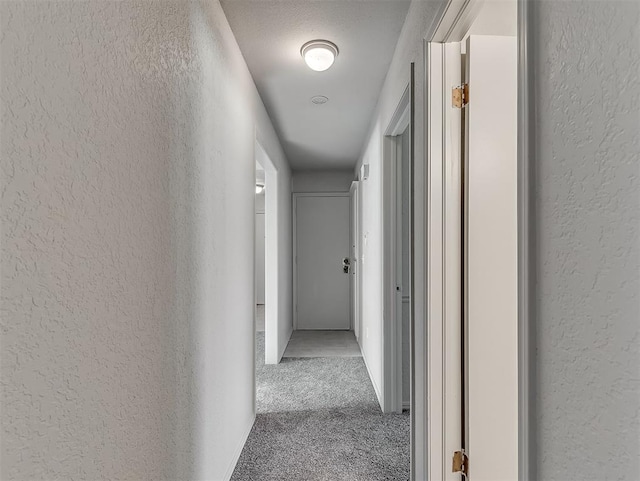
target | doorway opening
x=260, y=238
x=267, y=270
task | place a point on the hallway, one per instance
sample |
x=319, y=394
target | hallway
x=318, y=419
x=130, y=134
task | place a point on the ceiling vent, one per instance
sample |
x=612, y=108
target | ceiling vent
x=319, y=99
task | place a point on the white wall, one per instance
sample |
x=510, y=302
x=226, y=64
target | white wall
x=322, y=181
x=128, y=134
x=586, y=63
x=419, y=25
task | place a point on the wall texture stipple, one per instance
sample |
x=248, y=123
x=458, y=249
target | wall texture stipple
x=86, y=306
x=120, y=214
x=587, y=233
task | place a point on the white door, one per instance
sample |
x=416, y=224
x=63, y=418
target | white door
x=353, y=196
x=491, y=258
x=322, y=243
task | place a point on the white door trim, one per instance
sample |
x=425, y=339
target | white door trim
x=436, y=401
x=453, y=25
x=296, y=196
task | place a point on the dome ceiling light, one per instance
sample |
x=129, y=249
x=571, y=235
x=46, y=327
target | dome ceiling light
x=319, y=55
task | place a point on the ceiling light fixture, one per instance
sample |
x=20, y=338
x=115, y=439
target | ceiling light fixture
x=259, y=188
x=319, y=54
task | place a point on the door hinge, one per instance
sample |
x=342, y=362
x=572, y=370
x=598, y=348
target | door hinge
x=460, y=463
x=460, y=96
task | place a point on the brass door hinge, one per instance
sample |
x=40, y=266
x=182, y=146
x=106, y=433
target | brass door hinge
x=460, y=96
x=460, y=463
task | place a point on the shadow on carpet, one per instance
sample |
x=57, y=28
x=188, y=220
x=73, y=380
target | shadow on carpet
x=319, y=420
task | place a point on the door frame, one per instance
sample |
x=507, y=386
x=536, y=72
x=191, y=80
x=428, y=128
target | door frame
x=391, y=399
x=274, y=310
x=296, y=196
x=453, y=25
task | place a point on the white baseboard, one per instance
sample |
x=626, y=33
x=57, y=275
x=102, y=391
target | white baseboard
x=373, y=381
x=238, y=451
x=406, y=404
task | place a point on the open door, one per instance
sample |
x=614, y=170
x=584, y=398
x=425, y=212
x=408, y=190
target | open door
x=491, y=258
x=355, y=295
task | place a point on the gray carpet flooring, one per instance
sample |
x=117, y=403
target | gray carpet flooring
x=323, y=344
x=318, y=420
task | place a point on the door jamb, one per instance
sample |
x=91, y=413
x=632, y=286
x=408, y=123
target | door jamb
x=436, y=268
x=454, y=23
x=296, y=196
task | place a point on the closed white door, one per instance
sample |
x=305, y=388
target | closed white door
x=322, y=244
x=491, y=258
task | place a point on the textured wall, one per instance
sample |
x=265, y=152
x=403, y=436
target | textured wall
x=127, y=240
x=587, y=64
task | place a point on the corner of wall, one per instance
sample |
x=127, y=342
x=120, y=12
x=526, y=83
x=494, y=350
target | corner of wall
x=238, y=449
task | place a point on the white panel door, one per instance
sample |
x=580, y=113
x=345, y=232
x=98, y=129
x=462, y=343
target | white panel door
x=491, y=260
x=322, y=242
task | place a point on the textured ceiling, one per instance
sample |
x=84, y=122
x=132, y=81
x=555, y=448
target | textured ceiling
x=270, y=34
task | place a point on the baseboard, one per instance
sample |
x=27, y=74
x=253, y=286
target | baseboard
x=373, y=382
x=284, y=346
x=238, y=451
x=406, y=405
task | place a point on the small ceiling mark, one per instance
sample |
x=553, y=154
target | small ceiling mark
x=319, y=99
